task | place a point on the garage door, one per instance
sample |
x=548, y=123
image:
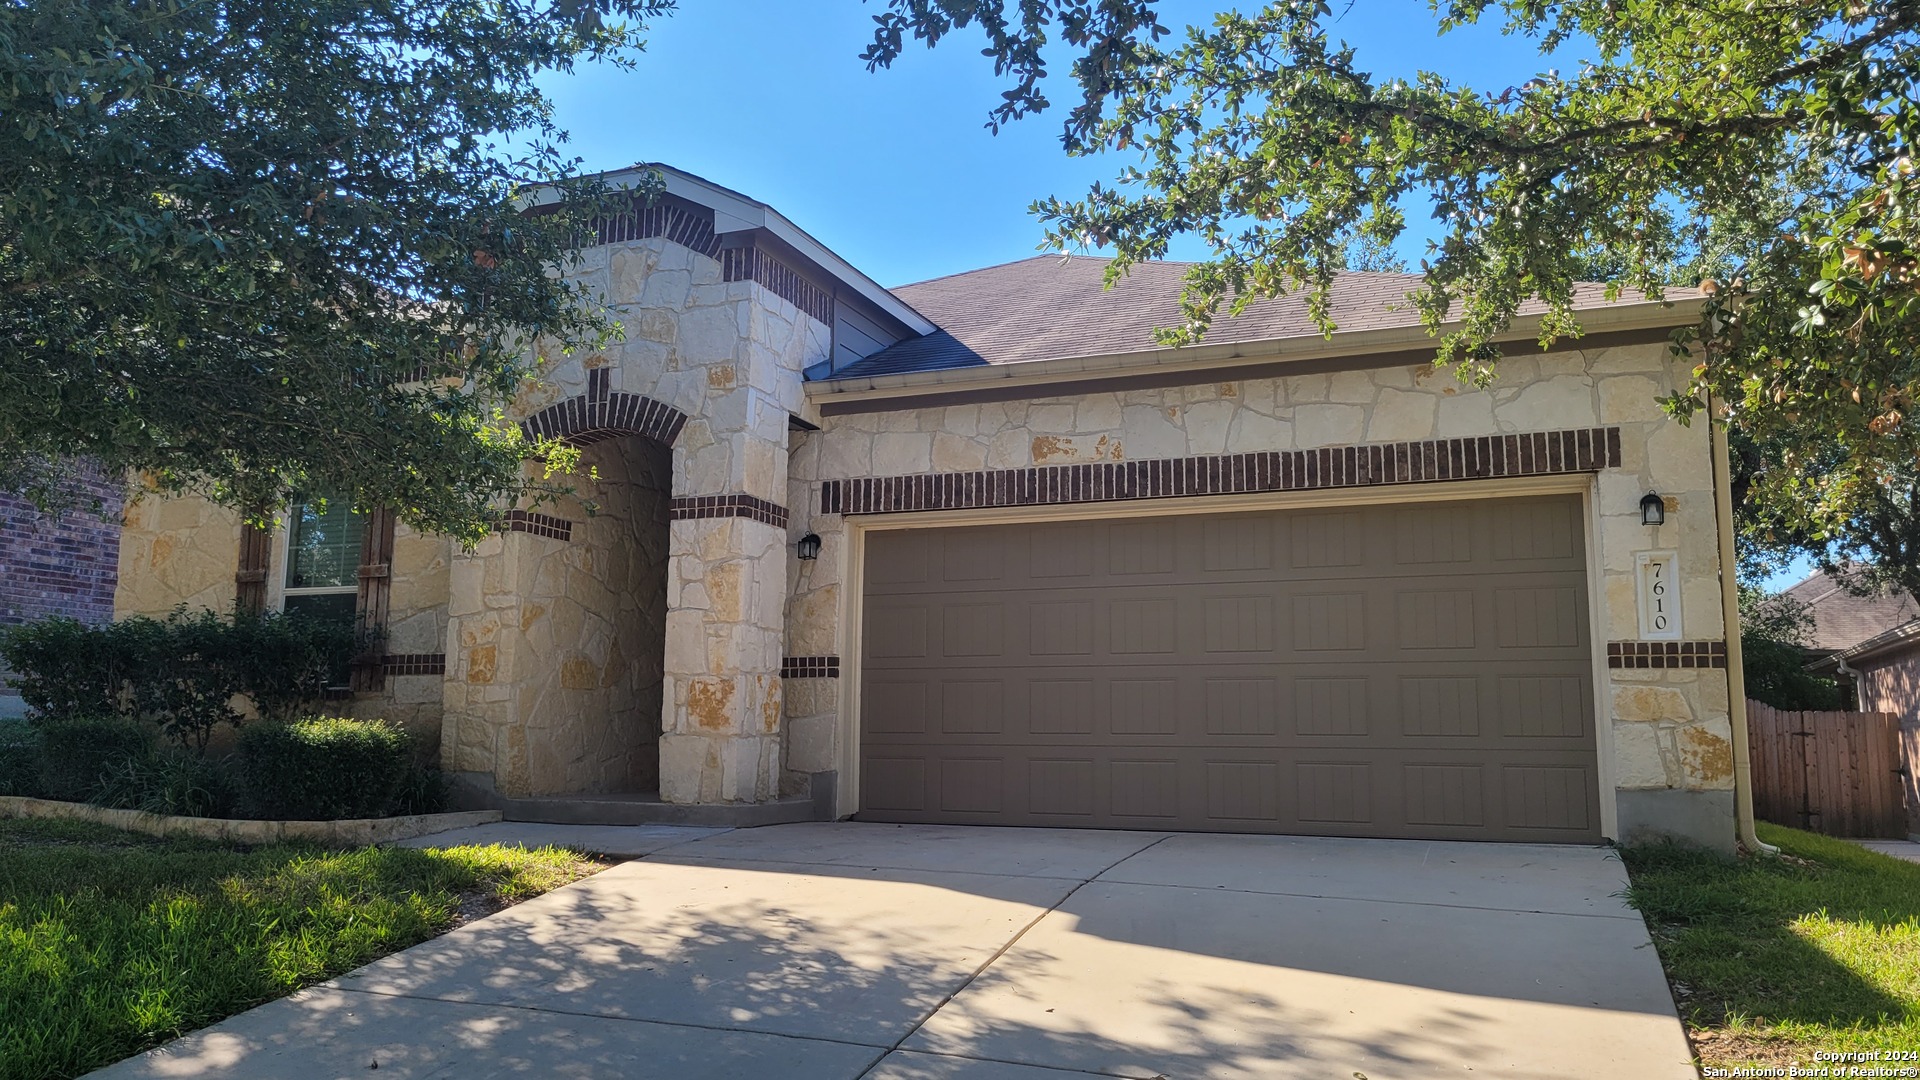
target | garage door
x=1413, y=671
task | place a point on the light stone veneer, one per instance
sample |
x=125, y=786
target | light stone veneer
x=1669, y=728
x=550, y=668
x=729, y=355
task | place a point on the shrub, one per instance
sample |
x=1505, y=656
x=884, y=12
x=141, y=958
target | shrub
x=166, y=781
x=424, y=791
x=181, y=672
x=76, y=753
x=19, y=759
x=323, y=768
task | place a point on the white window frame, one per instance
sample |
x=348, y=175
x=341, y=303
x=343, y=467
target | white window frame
x=282, y=565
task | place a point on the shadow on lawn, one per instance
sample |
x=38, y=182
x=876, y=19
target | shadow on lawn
x=1734, y=941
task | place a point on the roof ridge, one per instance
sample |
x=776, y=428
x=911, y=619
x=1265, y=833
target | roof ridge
x=979, y=269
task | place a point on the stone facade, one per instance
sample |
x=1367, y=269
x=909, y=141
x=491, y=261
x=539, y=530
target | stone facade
x=1669, y=727
x=657, y=629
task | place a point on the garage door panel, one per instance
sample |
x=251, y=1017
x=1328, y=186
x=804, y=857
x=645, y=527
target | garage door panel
x=1388, y=671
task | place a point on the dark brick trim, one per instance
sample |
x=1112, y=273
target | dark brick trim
x=525, y=521
x=684, y=223
x=1543, y=453
x=724, y=506
x=1666, y=654
x=600, y=414
x=810, y=667
x=416, y=664
x=761, y=266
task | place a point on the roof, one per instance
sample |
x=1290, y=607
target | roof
x=1896, y=641
x=734, y=212
x=1843, y=620
x=1052, y=307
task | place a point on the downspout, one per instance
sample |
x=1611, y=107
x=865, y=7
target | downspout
x=1730, y=615
x=1851, y=675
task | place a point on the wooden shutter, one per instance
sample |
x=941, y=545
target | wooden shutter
x=370, y=607
x=250, y=580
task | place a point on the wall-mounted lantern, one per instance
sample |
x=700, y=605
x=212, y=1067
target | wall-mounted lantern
x=809, y=546
x=1653, y=509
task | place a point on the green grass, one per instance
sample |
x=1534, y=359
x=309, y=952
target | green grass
x=1772, y=959
x=111, y=943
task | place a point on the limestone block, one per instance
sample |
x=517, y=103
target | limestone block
x=1011, y=448
x=1678, y=458
x=1252, y=432
x=1460, y=413
x=689, y=769
x=1051, y=418
x=1402, y=416
x=1563, y=401
x=1638, y=760
x=1650, y=703
x=1705, y=752
x=1328, y=425
x=1152, y=431
x=902, y=453
x=1301, y=389
x=1207, y=424
x=1650, y=357
x=954, y=453
x=811, y=741
x=1628, y=398
x=1096, y=414
x=1351, y=387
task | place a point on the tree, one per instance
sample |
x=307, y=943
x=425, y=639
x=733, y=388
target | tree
x=255, y=248
x=1773, y=632
x=1773, y=141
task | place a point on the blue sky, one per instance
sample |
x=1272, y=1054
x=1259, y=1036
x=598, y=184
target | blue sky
x=895, y=170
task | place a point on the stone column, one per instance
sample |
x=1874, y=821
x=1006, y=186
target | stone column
x=726, y=591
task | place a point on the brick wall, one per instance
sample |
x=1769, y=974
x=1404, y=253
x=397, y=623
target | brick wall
x=60, y=565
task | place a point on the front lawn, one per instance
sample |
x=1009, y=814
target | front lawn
x=1774, y=958
x=111, y=943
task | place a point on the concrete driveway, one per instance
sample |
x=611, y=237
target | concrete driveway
x=881, y=951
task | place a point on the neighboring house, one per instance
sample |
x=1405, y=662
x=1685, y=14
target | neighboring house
x=976, y=550
x=1872, y=640
x=58, y=564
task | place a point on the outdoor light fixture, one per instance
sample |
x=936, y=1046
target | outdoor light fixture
x=1653, y=510
x=809, y=546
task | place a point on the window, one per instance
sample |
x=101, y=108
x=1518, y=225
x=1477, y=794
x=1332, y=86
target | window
x=323, y=557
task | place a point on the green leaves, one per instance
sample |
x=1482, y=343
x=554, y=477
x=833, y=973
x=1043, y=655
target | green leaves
x=1768, y=147
x=234, y=235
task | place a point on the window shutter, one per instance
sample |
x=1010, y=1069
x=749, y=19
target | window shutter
x=370, y=606
x=250, y=580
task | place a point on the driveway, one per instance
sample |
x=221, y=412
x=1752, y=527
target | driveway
x=897, y=951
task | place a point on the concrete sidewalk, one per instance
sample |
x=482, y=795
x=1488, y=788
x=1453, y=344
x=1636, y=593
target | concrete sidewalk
x=849, y=950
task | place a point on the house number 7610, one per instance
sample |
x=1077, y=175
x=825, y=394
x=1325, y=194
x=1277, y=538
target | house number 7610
x=1659, y=595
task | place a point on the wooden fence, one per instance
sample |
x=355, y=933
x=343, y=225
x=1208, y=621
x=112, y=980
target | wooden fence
x=1838, y=773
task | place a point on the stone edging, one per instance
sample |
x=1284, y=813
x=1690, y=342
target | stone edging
x=351, y=832
x=1540, y=453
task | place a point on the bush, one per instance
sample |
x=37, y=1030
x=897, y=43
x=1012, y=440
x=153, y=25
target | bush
x=19, y=758
x=75, y=754
x=424, y=791
x=181, y=672
x=166, y=781
x=323, y=768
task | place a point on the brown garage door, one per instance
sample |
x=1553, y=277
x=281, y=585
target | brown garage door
x=1416, y=671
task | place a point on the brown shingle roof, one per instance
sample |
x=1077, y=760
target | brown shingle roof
x=1842, y=620
x=1049, y=307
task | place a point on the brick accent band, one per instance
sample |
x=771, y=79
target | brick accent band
x=810, y=667
x=524, y=521
x=723, y=506
x=1666, y=654
x=756, y=265
x=415, y=663
x=1542, y=453
x=599, y=415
